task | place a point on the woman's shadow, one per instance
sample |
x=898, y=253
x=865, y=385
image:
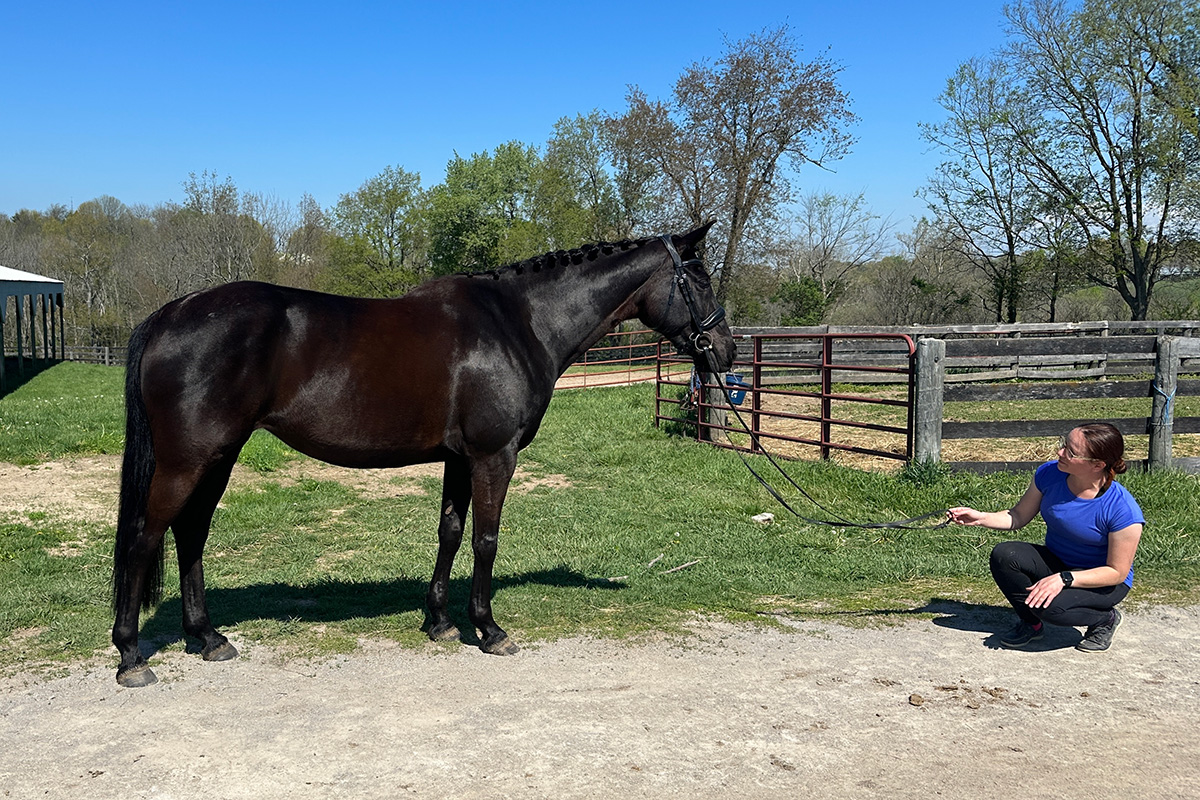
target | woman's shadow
x=995, y=621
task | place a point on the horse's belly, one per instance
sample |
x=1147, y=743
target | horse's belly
x=364, y=431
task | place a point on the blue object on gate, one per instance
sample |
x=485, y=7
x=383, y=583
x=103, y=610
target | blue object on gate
x=737, y=388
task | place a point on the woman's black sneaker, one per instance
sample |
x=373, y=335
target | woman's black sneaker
x=1099, y=636
x=1021, y=635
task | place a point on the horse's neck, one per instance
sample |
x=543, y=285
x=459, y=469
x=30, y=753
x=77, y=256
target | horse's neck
x=575, y=306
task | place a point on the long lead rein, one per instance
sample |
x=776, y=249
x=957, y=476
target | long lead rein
x=904, y=524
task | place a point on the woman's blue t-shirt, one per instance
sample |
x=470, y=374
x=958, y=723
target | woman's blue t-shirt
x=1077, y=529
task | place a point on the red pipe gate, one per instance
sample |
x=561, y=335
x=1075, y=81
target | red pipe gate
x=782, y=366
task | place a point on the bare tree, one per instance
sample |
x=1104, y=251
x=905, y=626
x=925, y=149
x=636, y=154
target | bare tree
x=980, y=192
x=832, y=236
x=1103, y=132
x=724, y=141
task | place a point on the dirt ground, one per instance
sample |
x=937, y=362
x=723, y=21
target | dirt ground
x=915, y=709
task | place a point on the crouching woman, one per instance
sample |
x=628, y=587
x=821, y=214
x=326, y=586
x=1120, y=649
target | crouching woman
x=1093, y=526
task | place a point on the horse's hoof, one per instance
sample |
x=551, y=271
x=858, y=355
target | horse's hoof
x=503, y=646
x=221, y=652
x=445, y=633
x=136, y=676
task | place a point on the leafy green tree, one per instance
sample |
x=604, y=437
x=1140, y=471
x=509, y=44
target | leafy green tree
x=481, y=217
x=574, y=196
x=381, y=249
x=803, y=301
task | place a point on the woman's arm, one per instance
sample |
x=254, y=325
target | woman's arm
x=1122, y=545
x=1014, y=518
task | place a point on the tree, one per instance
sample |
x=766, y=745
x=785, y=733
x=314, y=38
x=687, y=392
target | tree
x=981, y=193
x=926, y=286
x=211, y=238
x=1107, y=126
x=90, y=250
x=381, y=251
x=307, y=247
x=574, y=196
x=722, y=145
x=481, y=216
x=803, y=301
x=833, y=236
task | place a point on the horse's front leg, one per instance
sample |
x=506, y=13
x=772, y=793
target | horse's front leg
x=456, y=496
x=489, y=483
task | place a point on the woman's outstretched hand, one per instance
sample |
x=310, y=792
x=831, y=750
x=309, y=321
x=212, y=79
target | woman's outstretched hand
x=966, y=516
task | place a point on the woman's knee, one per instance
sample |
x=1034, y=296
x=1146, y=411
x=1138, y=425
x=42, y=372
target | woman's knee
x=1010, y=555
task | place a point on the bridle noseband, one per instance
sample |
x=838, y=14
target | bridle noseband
x=700, y=339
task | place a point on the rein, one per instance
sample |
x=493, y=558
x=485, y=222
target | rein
x=702, y=343
x=839, y=521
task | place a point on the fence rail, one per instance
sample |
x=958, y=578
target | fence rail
x=108, y=356
x=1166, y=357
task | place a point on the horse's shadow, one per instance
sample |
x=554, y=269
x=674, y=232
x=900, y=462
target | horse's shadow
x=337, y=600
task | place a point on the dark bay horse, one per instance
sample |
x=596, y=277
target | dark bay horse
x=459, y=370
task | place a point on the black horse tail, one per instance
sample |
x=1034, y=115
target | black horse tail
x=137, y=469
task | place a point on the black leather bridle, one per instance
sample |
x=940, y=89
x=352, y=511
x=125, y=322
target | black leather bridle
x=699, y=338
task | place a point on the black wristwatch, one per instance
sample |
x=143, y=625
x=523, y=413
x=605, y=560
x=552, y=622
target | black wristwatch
x=1067, y=579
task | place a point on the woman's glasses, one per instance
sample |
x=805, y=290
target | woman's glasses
x=1066, y=450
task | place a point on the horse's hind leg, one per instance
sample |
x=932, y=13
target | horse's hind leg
x=168, y=495
x=191, y=530
x=456, y=497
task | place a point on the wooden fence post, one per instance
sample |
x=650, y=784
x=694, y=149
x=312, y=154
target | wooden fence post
x=713, y=405
x=1166, y=368
x=927, y=411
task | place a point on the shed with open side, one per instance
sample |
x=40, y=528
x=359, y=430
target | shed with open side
x=33, y=292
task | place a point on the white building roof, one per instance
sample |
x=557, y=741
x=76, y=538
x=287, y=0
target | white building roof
x=19, y=283
x=8, y=274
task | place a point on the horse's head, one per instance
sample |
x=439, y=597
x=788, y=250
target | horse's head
x=679, y=304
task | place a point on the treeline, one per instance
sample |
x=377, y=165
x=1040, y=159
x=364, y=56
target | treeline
x=1070, y=191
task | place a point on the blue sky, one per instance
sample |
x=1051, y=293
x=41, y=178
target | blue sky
x=286, y=98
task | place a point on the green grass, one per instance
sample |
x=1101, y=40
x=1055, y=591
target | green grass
x=311, y=566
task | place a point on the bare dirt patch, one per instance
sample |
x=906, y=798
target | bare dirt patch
x=82, y=488
x=86, y=488
x=923, y=708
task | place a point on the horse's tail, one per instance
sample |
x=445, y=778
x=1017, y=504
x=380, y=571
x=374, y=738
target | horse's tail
x=137, y=469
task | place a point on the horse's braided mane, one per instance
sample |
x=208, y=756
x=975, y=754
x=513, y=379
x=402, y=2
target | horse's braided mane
x=561, y=258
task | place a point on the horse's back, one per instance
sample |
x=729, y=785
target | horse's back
x=347, y=380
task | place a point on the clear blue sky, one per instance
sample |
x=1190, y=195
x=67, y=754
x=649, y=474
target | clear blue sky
x=285, y=98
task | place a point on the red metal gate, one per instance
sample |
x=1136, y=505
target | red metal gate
x=785, y=368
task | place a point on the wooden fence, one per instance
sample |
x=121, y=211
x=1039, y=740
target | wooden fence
x=994, y=364
x=1078, y=368
x=108, y=356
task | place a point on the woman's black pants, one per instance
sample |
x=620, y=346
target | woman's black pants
x=1017, y=566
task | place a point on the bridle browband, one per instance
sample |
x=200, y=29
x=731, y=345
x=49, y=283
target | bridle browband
x=700, y=340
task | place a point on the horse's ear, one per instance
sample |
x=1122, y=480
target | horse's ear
x=690, y=240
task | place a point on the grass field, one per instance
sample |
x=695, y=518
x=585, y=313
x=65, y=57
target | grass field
x=312, y=566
